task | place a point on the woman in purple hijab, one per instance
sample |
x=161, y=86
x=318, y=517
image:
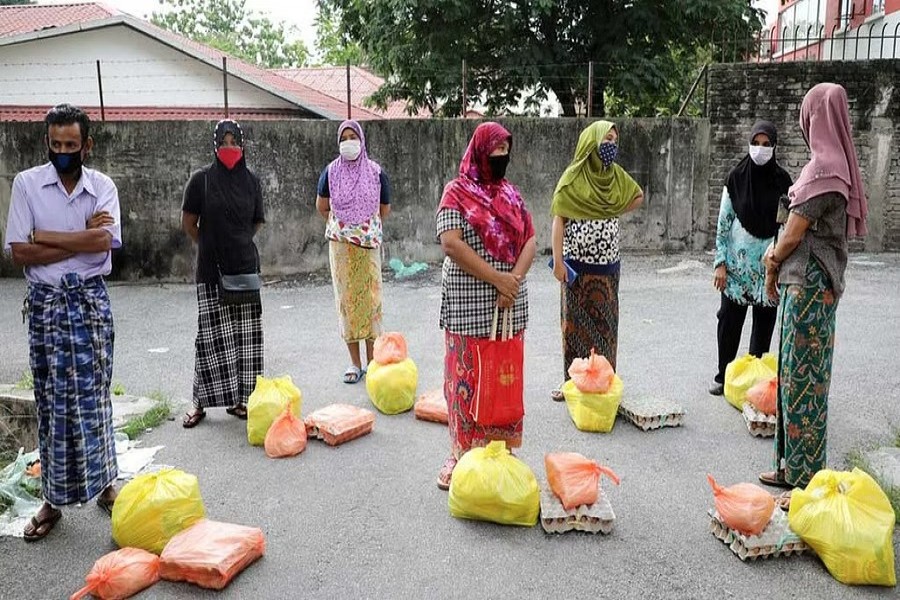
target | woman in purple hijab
x=354, y=195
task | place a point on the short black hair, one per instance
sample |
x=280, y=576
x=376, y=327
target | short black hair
x=67, y=114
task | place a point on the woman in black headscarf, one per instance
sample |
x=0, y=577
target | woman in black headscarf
x=747, y=225
x=222, y=211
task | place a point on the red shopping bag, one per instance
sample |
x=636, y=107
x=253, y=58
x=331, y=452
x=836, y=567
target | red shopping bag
x=499, y=366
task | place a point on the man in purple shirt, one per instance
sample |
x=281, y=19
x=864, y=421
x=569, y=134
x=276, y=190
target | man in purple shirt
x=63, y=223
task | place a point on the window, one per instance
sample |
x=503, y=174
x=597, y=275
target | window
x=804, y=20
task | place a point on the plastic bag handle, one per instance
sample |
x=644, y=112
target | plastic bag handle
x=84, y=592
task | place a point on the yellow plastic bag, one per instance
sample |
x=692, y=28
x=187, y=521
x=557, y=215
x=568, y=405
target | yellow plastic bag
x=489, y=484
x=593, y=412
x=848, y=520
x=153, y=507
x=268, y=400
x=392, y=386
x=743, y=373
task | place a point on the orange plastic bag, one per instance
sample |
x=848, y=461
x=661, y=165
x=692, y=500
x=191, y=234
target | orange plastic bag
x=744, y=507
x=120, y=574
x=764, y=395
x=575, y=479
x=210, y=554
x=287, y=436
x=592, y=375
x=390, y=348
x=431, y=406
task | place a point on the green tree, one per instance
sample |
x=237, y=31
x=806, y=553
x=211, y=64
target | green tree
x=516, y=52
x=16, y=2
x=230, y=27
x=333, y=46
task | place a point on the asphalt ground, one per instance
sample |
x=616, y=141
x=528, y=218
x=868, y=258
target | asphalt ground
x=365, y=520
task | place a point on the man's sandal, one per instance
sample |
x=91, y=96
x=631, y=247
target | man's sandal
x=41, y=527
x=238, y=410
x=557, y=395
x=193, y=418
x=775, y=479
x=106, y=504
x=353, y=374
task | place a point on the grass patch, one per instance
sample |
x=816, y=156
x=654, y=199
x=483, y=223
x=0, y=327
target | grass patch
x=26, y=382
x=118, y=389
x=856, y=458
x=154, y=417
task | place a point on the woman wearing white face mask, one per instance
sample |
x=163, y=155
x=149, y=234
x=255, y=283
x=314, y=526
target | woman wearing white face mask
x=354, y=196
x=747, y=225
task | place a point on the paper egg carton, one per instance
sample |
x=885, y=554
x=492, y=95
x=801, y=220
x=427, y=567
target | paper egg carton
x=651, y=413
x=759, y=424
x=591, y=518
x=776, y=540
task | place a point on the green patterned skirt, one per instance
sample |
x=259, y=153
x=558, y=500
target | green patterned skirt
x=804, y=375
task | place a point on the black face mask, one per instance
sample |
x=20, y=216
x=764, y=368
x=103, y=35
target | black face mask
x=498, y=165
x=66, y=163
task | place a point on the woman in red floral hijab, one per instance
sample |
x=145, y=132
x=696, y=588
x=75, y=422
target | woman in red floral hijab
x=488, y=238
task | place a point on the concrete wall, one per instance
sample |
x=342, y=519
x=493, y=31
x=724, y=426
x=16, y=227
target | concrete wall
x=150, y=163
x=739, y=94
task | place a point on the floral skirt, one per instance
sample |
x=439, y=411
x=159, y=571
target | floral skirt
x=356, y=277
x=460, y=382
x=804, y=375
x=590, y=318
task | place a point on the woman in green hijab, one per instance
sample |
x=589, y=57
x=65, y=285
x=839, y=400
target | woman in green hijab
x=589, y=198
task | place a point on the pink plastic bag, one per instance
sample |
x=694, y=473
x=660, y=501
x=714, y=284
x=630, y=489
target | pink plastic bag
x=120, y=574
x=764, y=395
x=744, y=507
x=287, y=435
x=575, y=479
x=592, y=375
x=390, y=348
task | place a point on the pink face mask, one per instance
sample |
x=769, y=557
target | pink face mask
x=229, y=155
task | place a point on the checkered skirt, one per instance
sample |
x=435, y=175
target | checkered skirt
x=228, y=350
x=70, y=338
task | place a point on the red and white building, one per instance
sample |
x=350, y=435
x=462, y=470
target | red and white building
x=834, y=30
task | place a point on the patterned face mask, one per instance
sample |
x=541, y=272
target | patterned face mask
x=608, y=152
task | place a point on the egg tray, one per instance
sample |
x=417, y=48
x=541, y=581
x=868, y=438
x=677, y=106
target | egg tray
x=759, y=424
x=651, y=413
x=776, y=540
x=591, y=518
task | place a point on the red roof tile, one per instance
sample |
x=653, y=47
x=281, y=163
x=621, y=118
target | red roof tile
x=15, y=20
x=333, y=82
x=153, y=113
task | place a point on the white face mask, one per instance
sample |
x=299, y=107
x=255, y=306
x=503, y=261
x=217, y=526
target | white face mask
x=350, y=149
x=761, y=154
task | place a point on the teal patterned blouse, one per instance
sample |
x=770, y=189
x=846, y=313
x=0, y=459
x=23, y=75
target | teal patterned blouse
x=742, y=255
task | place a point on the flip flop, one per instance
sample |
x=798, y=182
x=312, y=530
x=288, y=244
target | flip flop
x=783, y=501
x=42, y=528
x=446, y=474
x=775, y=479
x=106, y=505
x=192, y=419
x=353, y=374
x=238, y=410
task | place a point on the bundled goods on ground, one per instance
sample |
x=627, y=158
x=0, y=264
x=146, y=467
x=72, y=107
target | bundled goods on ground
x=391, y=377
x=338, y=424
x=593, y=393
x=153, y=507
x=575, y=479
x=744, y=372
x=489, y=484
x=431, y=406
x=267, y=402
x=847, y=519
x=743, y=507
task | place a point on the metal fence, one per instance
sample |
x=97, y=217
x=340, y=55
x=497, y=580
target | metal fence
x=816, y=43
